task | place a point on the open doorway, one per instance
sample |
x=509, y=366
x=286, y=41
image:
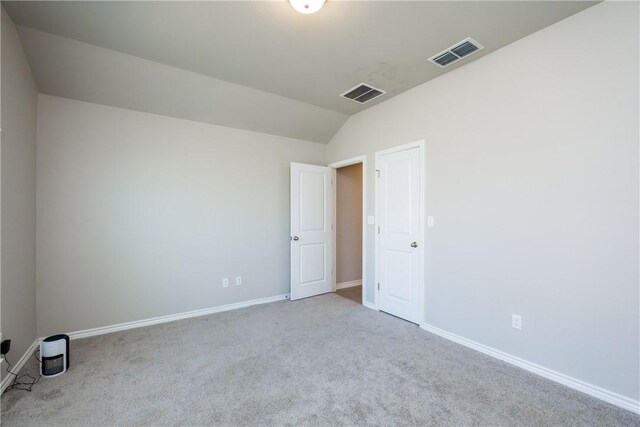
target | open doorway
x=349, y=229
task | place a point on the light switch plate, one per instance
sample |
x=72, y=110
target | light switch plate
x=430, y=221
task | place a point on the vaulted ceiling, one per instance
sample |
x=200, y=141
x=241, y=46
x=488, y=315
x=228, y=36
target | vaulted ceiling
x=259, y=65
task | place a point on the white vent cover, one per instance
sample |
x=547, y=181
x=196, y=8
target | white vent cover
x=456, y=52
x=362, y=93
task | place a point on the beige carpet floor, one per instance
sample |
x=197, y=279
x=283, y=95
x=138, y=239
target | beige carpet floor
x=320, y=361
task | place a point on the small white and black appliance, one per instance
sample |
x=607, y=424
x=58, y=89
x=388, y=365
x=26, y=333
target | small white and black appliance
x=54, y=355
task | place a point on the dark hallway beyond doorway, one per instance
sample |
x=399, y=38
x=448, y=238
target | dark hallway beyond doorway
x=354, y=293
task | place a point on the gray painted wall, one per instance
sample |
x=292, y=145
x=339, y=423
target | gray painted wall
x=71, y=69
x=18, y=195
x=142, y=215
x=349, y=223
x=532, y=177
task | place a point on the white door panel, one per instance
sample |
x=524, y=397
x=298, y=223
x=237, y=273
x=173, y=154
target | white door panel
x=398, y=173
x=311, y=244
x=399, y=192
x=312, y=262
x=312, y=200
x=399, y=270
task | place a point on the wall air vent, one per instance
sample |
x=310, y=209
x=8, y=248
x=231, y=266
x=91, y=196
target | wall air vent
x=456, y=52
x=362, y=93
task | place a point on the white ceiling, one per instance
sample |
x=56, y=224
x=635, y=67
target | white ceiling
x=307, y=60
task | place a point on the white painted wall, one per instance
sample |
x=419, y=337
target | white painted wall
x=142, y=215
x=18, y=195
x=532, y=176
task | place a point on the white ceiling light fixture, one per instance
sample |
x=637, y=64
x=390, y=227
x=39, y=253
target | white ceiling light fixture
x=307, y=6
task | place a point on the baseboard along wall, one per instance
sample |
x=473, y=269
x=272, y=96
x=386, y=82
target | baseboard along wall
x=370, y=305
x=574, y=383
x=172, y=317
x=17, y=366
x=137, y=324
x=351, y=284
x=584, y=387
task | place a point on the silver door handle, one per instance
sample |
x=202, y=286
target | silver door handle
x=295, y=238
x=414, y=245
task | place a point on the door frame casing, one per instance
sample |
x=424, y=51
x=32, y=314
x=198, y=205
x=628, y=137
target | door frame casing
x=420, y=145
x=336, y=165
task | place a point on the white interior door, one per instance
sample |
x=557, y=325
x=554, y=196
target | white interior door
x=311, y=240
x=399, y=206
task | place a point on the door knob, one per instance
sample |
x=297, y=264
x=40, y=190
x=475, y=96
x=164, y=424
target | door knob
x=414, y=245
x=296, y=238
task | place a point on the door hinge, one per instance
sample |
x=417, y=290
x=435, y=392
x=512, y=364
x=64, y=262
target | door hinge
x=378, y=172
x=378, y=229
x=378, y=286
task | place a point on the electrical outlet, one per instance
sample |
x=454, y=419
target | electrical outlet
x=238, y=280
x=225, y=282
x=516, y=321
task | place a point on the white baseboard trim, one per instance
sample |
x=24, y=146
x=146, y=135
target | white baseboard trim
x=351, y=284
x=576, y=384
x=370, y=305
x=16, y=367
x=172, y=317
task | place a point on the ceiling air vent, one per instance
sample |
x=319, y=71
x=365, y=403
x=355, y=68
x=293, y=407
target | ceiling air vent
x=456, y=52
x=362, y=93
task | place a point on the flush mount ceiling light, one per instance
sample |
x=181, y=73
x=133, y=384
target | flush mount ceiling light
x=307, y=6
